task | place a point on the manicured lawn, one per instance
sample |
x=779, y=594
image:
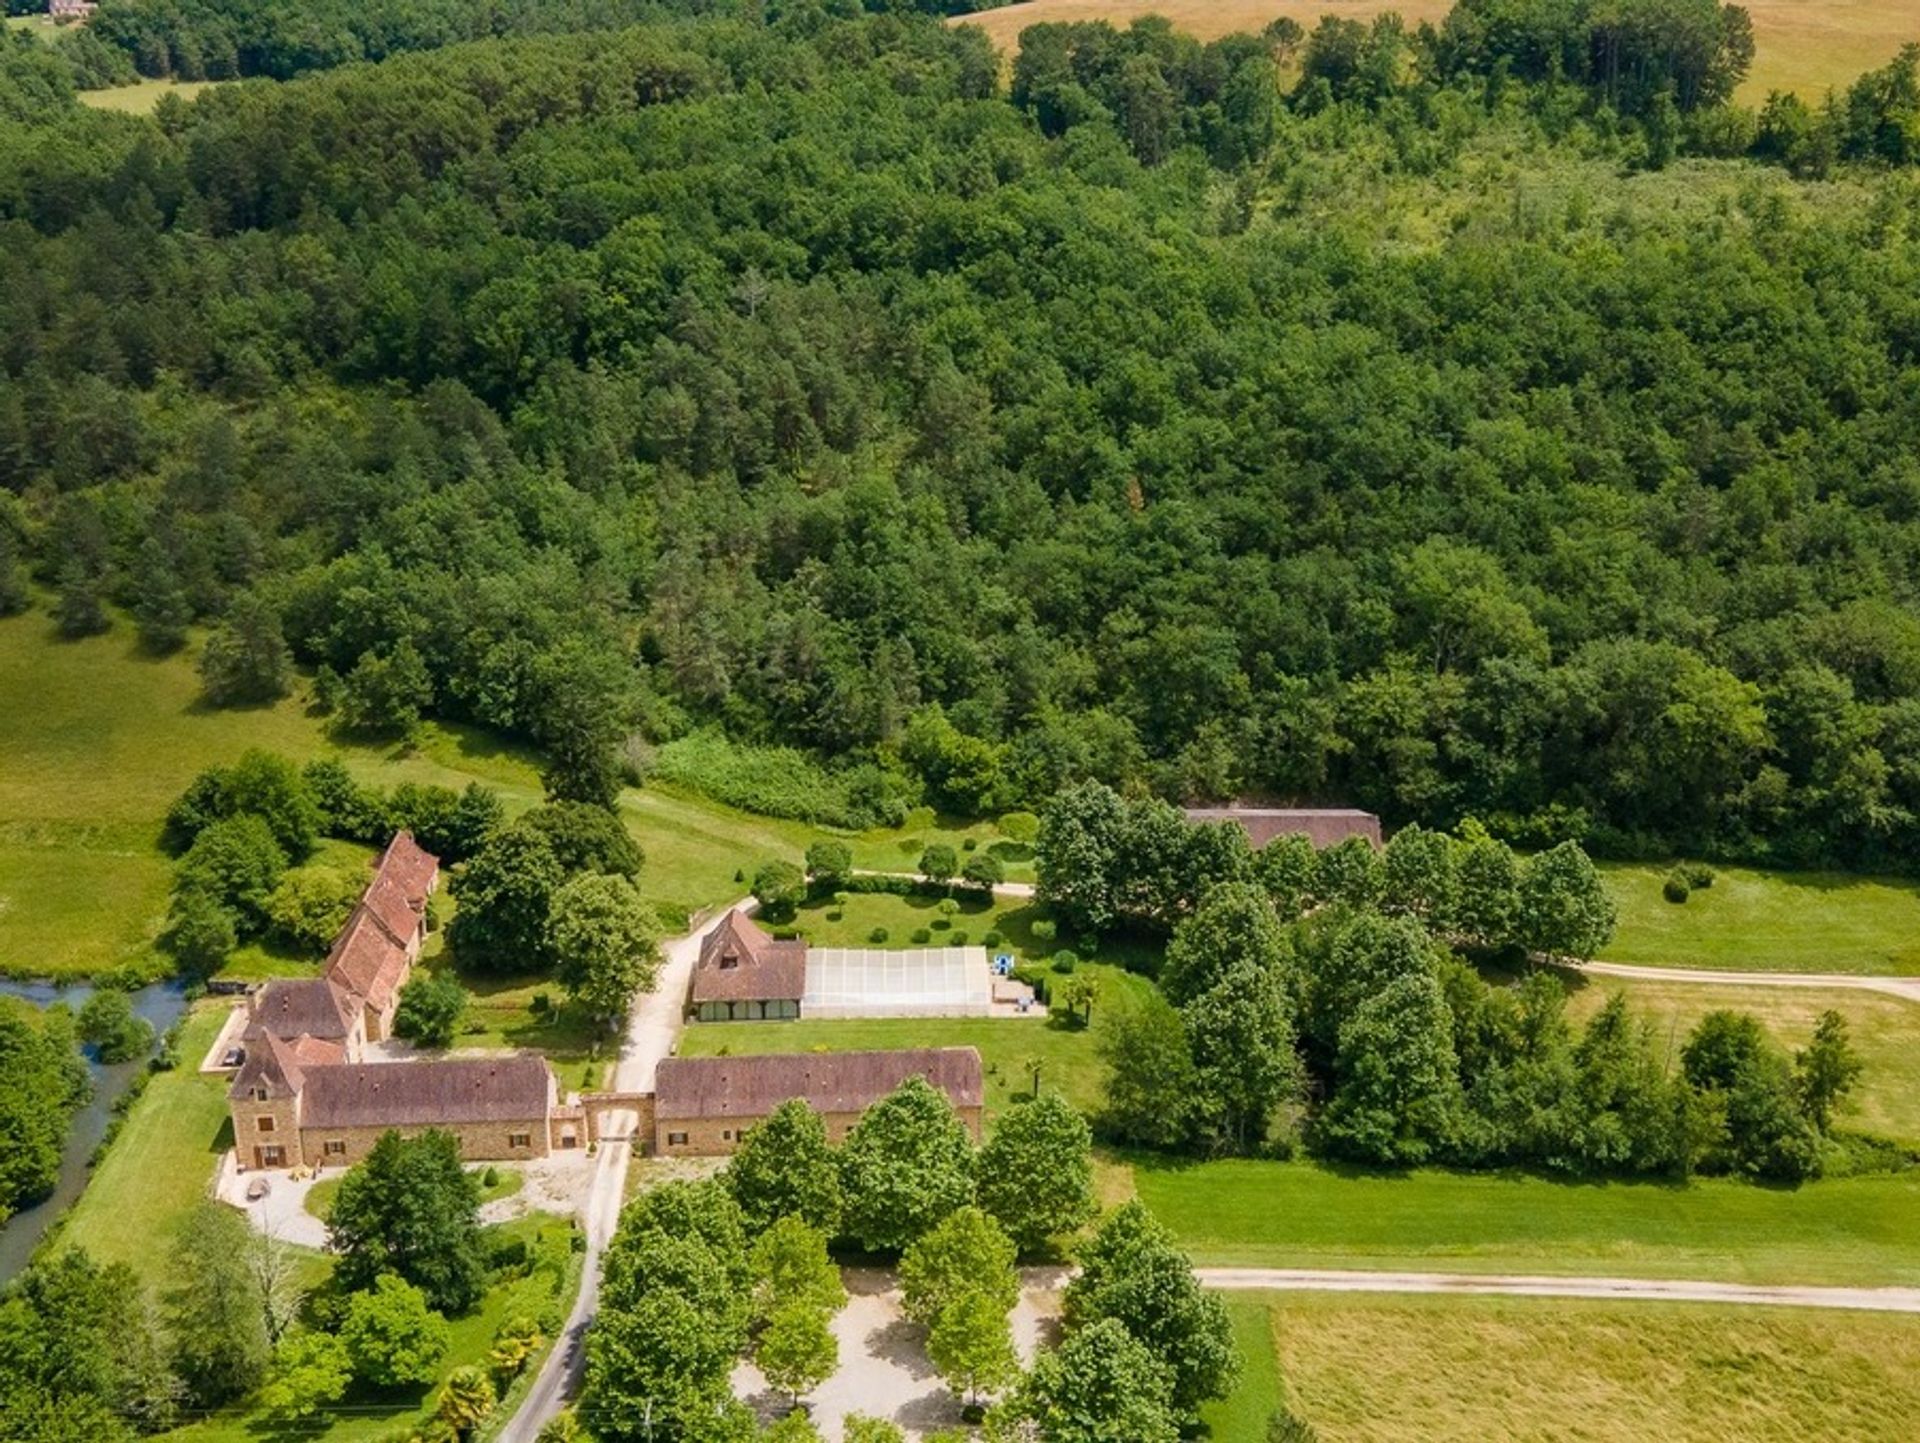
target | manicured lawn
x=1885, y=1031
x=1464, y=1370
x=1856, y=1231
x=1768, y=922
x=1008, y=1045
x=158, y=1168
x=507, y=1182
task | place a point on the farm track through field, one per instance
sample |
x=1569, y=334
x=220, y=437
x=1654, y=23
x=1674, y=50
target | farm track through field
x=1877, y=1300
x=1907, y=988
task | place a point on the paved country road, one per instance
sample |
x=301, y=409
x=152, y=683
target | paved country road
x=1907, y=987
x=653, y=1030
x=1877, y=1300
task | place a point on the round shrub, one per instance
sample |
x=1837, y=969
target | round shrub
x=1045, y=929
x=1065, y=960
x=877, y=936
x=969, y=844
x=1675, y=888
x=956, y=939
x=922, y=935
x=991, y=940
x=1699, y=875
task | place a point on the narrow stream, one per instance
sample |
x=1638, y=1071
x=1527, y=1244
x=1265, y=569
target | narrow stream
x=161, y=1004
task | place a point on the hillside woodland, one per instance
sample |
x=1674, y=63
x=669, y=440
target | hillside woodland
x=1487, y=421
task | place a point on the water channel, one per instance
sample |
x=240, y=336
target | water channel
x=161, y=1004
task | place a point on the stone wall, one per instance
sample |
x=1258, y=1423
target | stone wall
x=258, y=1126
x=479, y=1141
x=718, y=1137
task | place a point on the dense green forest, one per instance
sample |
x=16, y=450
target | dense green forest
x=1427, y=420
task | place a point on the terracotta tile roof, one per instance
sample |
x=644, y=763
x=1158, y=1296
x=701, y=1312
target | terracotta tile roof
x=413, y=869
x=316, y=1006
x=514, y=1087
x=710, y=1087
x=280, y=1065
x=366, y=960
x=739, y=962
x=1323, y=826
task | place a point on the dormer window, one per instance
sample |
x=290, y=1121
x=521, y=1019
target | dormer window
x=260, y=1094
x=729, y=961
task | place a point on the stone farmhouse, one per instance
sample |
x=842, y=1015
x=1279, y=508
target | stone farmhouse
x=1323, y=826
x=704, y=1106
x=311, y=1087
x=308, y=1091
x=746, y=975
x=70, y=9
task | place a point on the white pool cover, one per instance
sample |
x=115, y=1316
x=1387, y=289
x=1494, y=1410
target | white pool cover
x=932, y=982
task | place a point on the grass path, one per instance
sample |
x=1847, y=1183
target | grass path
x=1847, y=1232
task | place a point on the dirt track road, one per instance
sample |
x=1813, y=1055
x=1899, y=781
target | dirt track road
x=1906, y=987
x=1875, y=1300
x=653, y=1030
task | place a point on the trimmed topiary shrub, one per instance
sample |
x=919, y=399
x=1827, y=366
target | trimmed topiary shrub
x=1045, y=929
x=991, y=940
x=922, y=935
x=1699, y=875
x=877, y=936
x=956, y=939
x=1065, y=960
x=1675, y=888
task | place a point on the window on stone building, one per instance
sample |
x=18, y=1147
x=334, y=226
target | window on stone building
x=676, y=1139
x=335, y=1147
x=264, y=1123
x=519, y=1139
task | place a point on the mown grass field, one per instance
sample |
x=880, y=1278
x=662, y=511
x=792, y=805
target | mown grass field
x=1884, y=1030
x=1464, y=1370
x=1857, y=1231
x=1805, y=46
x=158, y=1168
x=1750, y=921
x=99, y=739
x=142, y=96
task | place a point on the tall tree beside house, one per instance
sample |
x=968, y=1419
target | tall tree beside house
x=410, y=1209
x=786, y=1168
x=1036, y=1172
x=79, y=1358
x=605, y=943
x=505, y=896
x=1101, y=1385
x=215, y=1314
x=907, y=1164
x=430, y=1010
x=394, y=1340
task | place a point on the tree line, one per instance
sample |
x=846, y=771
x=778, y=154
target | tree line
x=1360, y=1033
x=540, y=382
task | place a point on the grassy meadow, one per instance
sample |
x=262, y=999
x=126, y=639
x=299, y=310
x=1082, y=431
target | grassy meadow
x=99, y=739
x=1751, y=921
x=1885, y=1031
x=1804, y=46
x=1462, y=1370
x=142, y=96
x=158, y=1168
x=1856, y=1231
